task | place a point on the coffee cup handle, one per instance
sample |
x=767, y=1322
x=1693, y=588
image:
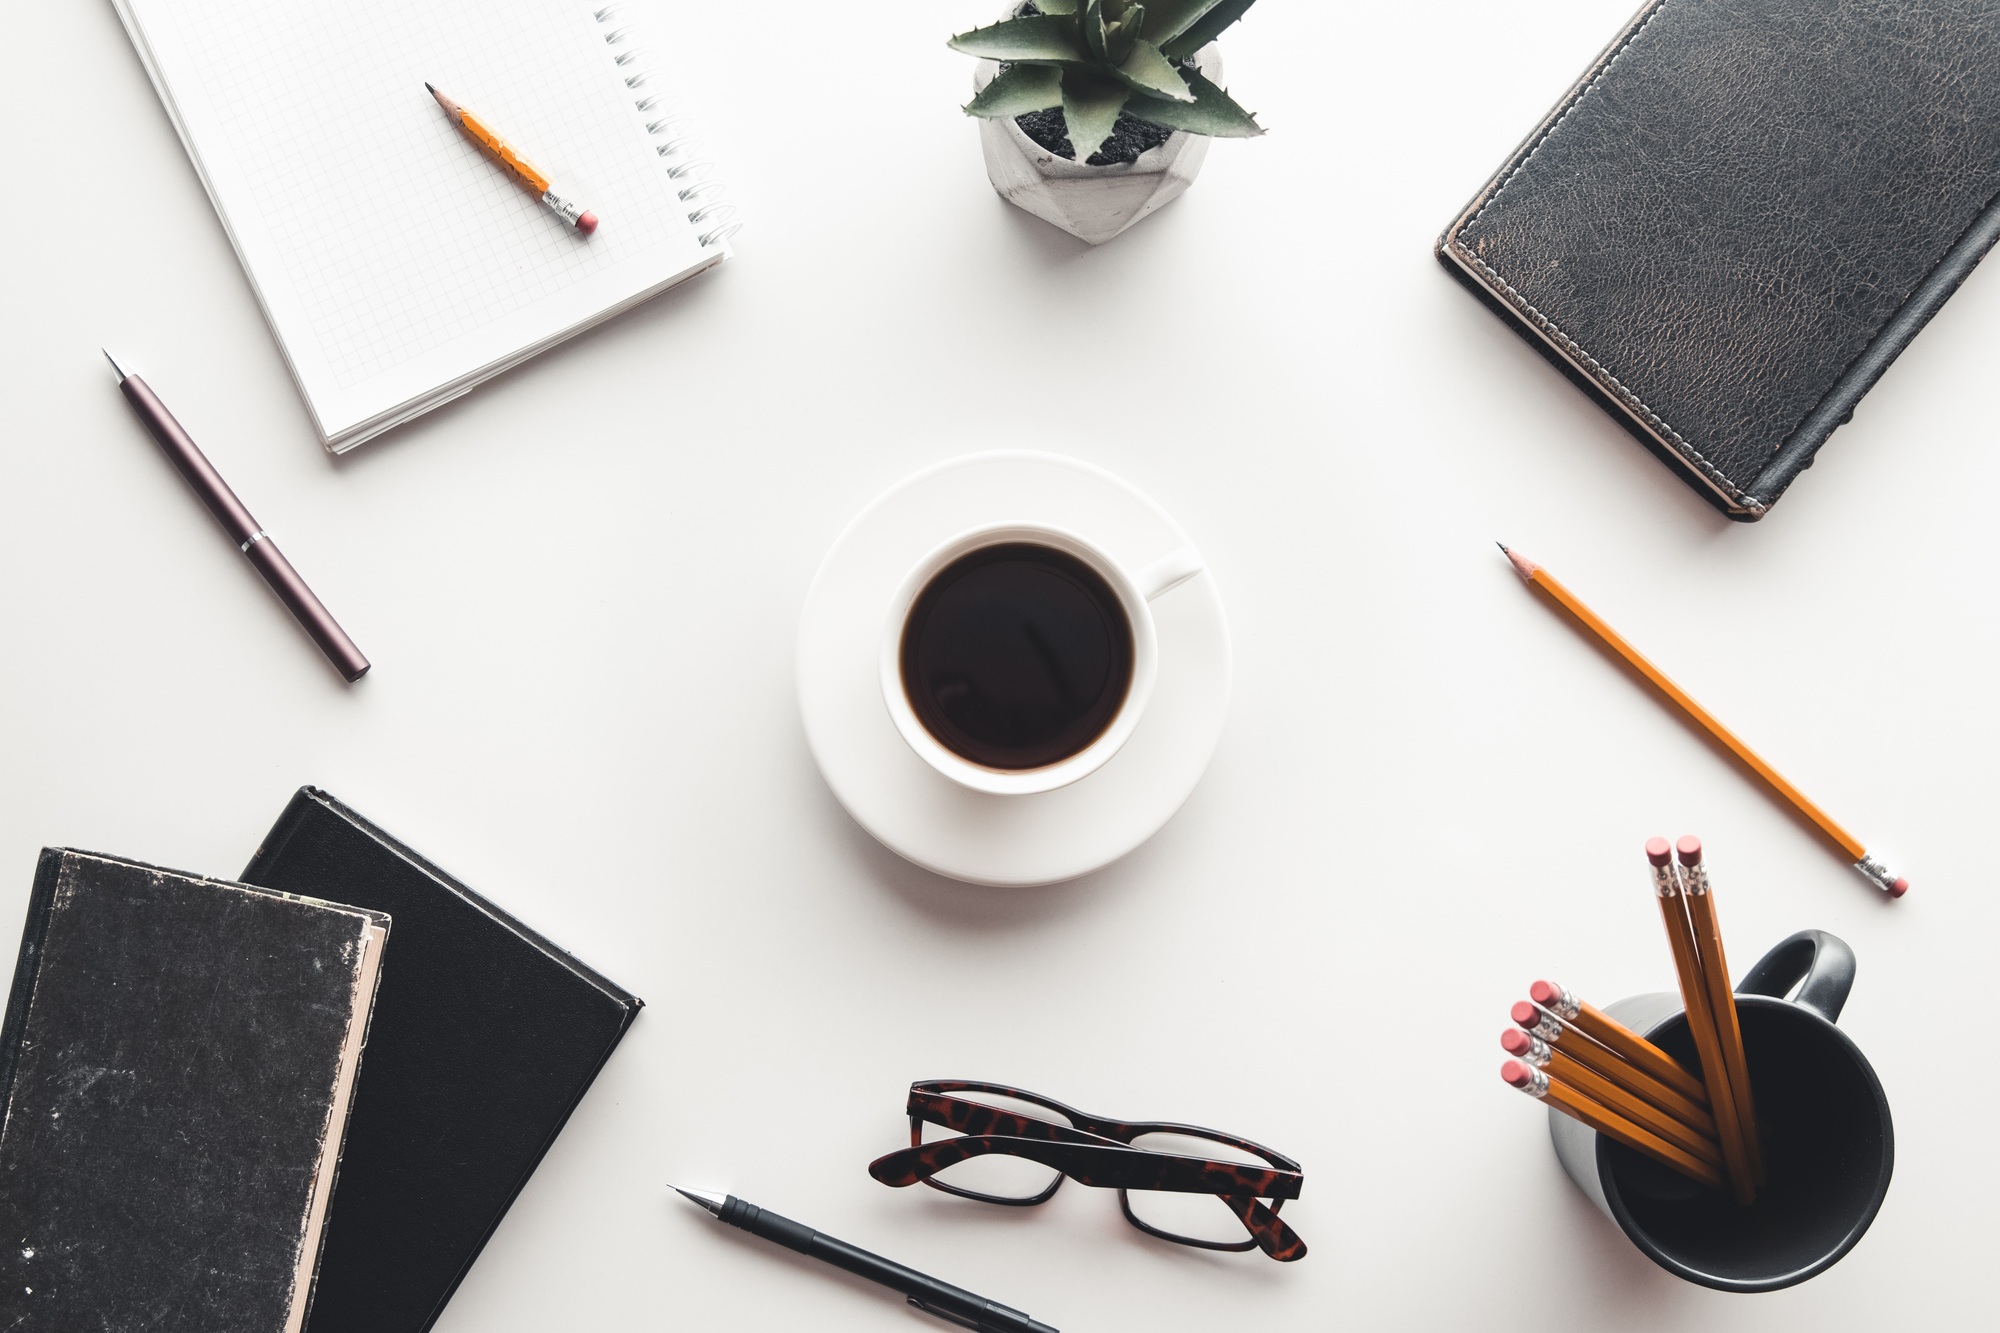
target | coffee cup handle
x=1819, y=964
x=1168, y=572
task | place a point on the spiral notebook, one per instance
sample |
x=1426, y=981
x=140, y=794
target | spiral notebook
x=397, y=265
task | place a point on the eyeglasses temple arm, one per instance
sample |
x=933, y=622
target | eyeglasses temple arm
x=1104, y=1166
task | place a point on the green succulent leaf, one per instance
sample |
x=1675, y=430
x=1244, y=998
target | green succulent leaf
x=1147, y=71
x=1091, y=105
x=1038, y=37
x=1094, y=35
x=1205, y=29
x=1017, y=90
x=1168, y=19
x=1121, y=36
x=1213, y=111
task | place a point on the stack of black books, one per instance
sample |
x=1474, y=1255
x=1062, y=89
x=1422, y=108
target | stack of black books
x=300, y=1103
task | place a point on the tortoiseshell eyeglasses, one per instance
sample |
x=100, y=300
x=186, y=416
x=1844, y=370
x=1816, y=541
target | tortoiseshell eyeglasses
x=1181, y=1183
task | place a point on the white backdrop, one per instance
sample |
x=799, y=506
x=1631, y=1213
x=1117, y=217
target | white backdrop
x=580, y=586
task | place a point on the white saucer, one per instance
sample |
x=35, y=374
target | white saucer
x=917, y=811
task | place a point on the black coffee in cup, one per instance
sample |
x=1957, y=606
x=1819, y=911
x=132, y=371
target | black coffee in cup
x=1016, y=656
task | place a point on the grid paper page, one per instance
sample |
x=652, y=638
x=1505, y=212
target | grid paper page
x=395, y=233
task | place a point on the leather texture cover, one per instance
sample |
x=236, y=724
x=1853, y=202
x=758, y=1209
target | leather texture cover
x=174, y=1075
x=486, y=1037
x=1740, y=215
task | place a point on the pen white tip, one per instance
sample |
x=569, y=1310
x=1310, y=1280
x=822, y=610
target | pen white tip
x=116, y=369
x=711, y=1200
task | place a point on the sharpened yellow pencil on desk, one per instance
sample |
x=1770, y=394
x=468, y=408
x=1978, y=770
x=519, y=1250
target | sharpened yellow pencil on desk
x=1877, y=874
x=517, y=166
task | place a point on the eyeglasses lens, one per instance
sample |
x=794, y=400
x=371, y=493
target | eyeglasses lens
x=997, y=1175
x=1197, y=1217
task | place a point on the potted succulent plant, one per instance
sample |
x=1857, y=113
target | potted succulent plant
x=1093, y=113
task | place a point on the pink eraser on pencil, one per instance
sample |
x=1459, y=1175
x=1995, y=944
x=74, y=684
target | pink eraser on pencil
x=1690, y=850
x=1515, y=1042
x=586, y=223
x=1516, y=1073
x=1545, y=992
x=1525, y=1014
x=1658, y=852
x=1899, y=888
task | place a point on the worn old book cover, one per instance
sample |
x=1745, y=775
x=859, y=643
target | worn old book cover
x=176, y=1070
x=1740, y=215
x=486, y=1037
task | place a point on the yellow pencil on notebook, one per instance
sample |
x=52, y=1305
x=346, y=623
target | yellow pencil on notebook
x=517, y=166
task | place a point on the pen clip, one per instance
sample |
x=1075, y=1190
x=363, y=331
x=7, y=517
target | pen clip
x=948, y=1316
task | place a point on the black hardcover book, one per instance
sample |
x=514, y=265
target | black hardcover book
x=175, y=1075
x=486, y=1037
x=1741, y=214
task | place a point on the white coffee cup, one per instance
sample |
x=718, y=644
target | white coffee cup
x=1134, y=592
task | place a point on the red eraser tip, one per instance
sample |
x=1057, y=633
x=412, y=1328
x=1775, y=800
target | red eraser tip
x=1516, y=1073
x=1525, y=1014
x=586, y=223
x=1690, y=850
x=1544, y=992
x=1515, y=1042
x=1899, y=888
x=1658, y=852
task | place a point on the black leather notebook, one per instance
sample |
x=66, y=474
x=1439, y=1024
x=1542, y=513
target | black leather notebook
x=486, y=1037
x=1741, y=214
x=175, y=1075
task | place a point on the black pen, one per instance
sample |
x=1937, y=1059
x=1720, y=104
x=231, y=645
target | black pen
x=954, y=1304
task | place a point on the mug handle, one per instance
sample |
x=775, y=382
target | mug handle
x=1821, y=961
x=1168, y=572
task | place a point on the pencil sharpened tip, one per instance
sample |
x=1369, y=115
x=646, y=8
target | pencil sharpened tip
x=116, y=369
x=1522, y=565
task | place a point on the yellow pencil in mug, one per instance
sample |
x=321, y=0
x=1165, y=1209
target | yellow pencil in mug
x=517, y=166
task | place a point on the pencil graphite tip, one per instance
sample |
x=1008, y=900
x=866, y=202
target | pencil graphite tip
x=708, y=1200
x=451, y=108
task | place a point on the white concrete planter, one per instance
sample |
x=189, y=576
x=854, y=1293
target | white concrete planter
x=1090, y=203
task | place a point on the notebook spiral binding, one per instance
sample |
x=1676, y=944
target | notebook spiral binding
x=672, y=132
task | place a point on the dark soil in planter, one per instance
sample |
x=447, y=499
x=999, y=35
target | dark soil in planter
x=1130, y=137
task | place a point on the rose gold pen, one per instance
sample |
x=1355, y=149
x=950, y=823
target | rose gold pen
x=255, y=543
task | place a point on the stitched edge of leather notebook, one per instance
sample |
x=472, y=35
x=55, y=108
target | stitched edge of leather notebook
x=1800, y=445
x=1547, y=336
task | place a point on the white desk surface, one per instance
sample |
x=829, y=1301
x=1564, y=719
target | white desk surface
x=580, y=586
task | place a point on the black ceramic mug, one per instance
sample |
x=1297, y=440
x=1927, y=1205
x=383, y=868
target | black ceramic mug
x=1828, y=1143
